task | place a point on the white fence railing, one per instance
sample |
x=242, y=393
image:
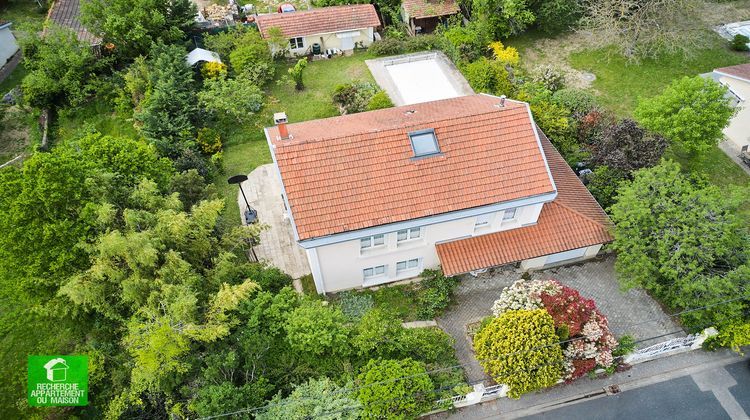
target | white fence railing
x=669, y=347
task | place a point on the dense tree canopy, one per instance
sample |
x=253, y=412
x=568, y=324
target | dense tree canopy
x=625, y=146
x=394, y=389
x=692, y=111
x=133, y=25
x=61, y=69
x=682, y=240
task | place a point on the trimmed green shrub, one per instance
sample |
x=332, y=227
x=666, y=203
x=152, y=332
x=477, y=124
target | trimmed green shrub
x=435, y=294
x=488, y=76
x=739, y=43
x=625, y=346
x=734, y=336
x=520, y=349
x=379, y=101
x=354, y=97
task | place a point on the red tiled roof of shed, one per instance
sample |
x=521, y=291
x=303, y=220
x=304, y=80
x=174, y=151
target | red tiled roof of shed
x=429, y=8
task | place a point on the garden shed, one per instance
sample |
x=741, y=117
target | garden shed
x=424, y=16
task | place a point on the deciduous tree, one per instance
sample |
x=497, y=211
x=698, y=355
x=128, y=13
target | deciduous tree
x=692, y=111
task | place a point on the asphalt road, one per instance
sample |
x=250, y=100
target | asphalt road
x=721, y=393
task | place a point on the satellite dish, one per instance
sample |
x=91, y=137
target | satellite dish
x=237, y=179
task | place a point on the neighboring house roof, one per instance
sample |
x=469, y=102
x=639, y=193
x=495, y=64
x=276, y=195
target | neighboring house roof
x=741, y=71
x=357, y=171
x=573, y=220
x=429, y=8
x=66, y=13
x=320, y=21
x=199, y=54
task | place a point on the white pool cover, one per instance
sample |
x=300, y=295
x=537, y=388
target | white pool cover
x=422, y=80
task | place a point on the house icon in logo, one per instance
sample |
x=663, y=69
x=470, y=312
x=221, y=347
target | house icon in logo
x=57, y=370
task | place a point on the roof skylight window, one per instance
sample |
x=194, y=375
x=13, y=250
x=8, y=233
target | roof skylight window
x=424, y=143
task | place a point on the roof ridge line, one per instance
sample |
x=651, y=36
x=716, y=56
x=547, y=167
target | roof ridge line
x=400, y=127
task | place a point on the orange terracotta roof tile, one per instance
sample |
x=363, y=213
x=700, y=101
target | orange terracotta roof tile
x=741, y=71
x=429, y=8
x=357, y=171
x=573, y=220
x=320, y=21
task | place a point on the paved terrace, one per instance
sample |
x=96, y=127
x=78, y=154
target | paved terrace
x=632, y=312
x=277, y=245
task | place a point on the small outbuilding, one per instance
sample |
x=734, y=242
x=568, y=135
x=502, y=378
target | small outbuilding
x=8, y=44
x=337, y=27
x=424, y=16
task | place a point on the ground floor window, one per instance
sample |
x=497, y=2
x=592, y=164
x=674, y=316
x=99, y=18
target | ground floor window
x=296, y=43
x=407, y=265
x=373, y=271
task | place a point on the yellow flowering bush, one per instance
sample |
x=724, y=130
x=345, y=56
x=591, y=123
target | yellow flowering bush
x=211, y=70
x=520, y=349
x=503, y=54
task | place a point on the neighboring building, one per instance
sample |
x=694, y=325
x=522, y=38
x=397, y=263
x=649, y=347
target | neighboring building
x=466, y=183
x=737, y=79
x=8, y=44
x=424, y=16
x=66, y=13
x=341, y=27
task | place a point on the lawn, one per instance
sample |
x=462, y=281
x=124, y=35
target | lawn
x=26, y=15
x=245, y=146
x=97, y=115
x=620, y=84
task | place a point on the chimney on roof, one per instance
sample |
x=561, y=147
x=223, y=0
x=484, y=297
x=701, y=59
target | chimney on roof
x=280, y=120
x=502, y=101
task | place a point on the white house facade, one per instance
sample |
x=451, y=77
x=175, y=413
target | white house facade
x=737, y=80
x=464, y=184
x=341, y=27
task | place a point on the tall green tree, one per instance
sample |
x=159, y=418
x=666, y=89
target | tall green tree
x=314, y=399
x=133, y=25
x=681, y=239
x=692, y=111
x=166, y=114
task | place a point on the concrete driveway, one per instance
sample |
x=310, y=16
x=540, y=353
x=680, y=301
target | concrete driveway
x=277, y=245
x=632, y=312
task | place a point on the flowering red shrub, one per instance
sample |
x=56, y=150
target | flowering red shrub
x=568, y=307
x=580, y=368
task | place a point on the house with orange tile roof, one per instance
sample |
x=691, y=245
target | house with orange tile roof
x=465, y=184
x=339, y=27
x=424, y=16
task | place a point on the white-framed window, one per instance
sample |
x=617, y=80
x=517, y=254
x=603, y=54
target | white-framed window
x=408, y=234
x=372, y=272
x=509, y=214
x=297, y=43
x=371, y=242
x=407, y=265
x=483, y=220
